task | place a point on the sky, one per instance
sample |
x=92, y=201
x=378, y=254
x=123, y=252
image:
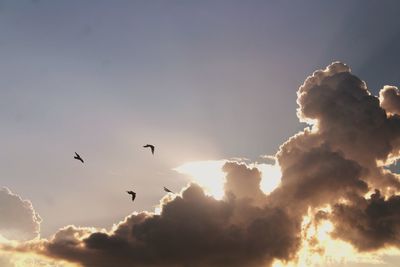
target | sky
x=206, y=82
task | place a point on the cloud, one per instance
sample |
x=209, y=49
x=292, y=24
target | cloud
x=326, y=171
x=18, y=222
x=244, y=183
x=389, y=98
x=18, y=219
x=349, y=119
x=368, y=224
x=341, y=157
x=314, y=176
x=193, y=229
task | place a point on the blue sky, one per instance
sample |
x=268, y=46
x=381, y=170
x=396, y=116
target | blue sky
x=199, y=79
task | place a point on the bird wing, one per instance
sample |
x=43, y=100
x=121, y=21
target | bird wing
x=133, y=196
x=78, y=157
x=152, y=149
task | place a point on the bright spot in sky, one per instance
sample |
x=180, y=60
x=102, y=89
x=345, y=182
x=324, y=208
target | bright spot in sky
x=210, y=176
x=271, y=176
x=3, y=240
x=320, y=249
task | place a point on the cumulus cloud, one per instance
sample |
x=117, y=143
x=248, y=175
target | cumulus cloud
x=389, y=98
x=370, y=223
x=348, y=118
x=332, y=164
x=314, y=176
x=193, y=229
x=362, y=132
x=18, y=219
x=243, y=182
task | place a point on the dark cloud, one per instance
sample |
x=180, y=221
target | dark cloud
x=18, y=219
x=355, y=128
x=368, y=224
x=192, y=230
x=243, y=183
x=334, y=162
x=314, y=176
x=348, y=118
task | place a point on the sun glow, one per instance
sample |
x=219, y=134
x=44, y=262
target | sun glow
x=318, y=248
x=271, y=176
x=33, y=260
x=210, y=176
x=12, y=257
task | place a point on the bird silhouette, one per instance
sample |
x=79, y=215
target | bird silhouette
x=151, y=147
x=167, y=190
x=78, y=157
x=132, y=193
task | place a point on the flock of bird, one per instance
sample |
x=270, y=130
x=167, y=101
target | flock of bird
x=133, y=194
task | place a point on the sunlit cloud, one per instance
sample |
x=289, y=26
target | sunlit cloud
x=13, y=258
x=320, y=249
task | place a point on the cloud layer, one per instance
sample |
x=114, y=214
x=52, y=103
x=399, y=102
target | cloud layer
x=336, y=162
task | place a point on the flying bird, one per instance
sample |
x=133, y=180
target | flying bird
x=151, y=147
x=167, y=190
x=132, y=193
x=78, y=157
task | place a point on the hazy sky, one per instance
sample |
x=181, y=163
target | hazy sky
x=202, y=80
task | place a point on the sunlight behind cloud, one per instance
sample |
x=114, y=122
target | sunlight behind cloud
x=271, y=176
x=3, y=240
x=32, y=260
x=208, y=174
x=320, y=249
